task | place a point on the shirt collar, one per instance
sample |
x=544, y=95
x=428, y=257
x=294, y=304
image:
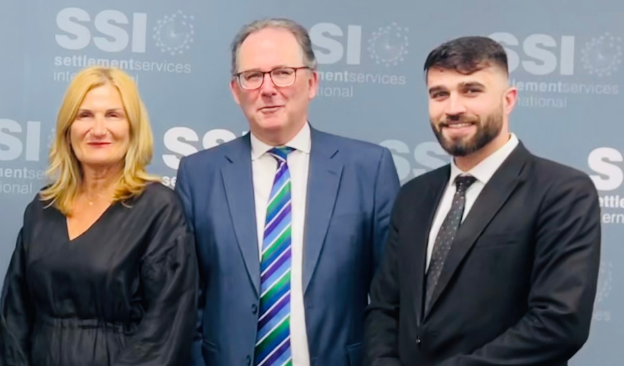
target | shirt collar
x=301, y=142
x=486, y=169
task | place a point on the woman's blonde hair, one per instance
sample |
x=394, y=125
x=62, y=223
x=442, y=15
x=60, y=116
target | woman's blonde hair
x=65, y=170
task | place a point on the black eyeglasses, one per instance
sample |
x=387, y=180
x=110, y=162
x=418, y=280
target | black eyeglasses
x=282, y=77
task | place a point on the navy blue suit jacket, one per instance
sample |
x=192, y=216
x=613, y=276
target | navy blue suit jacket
x=351, y=189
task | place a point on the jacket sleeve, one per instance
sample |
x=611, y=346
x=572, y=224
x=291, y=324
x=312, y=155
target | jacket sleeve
x=382, y=314
x=183, y=190
x=387, y=186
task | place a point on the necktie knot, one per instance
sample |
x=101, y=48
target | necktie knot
x=281, y=153
x=463, y=182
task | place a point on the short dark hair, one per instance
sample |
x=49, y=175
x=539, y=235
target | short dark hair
x=467, y=55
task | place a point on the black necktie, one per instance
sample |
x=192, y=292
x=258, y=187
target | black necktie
x=446, y=235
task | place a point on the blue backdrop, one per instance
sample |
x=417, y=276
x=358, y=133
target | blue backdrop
x=565, y=58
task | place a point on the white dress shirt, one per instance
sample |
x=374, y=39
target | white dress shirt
x=483, y=172
x=264, y=167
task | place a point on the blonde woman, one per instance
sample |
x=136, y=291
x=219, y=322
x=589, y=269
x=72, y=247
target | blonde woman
x=104, y=271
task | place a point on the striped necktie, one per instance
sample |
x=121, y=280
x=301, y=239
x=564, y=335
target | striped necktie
x=273, y=339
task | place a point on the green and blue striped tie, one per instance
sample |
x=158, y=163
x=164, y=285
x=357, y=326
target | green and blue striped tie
x=273, y=340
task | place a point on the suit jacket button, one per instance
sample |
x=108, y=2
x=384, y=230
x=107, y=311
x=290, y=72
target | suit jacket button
x=254, y=309
x=418, y=340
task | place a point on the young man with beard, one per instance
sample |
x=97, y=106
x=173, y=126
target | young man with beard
x=492, y=259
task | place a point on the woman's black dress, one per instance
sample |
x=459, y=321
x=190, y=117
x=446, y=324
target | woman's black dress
x=122, y=293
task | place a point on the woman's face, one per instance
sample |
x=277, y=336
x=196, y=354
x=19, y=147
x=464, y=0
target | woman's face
x=100, y=133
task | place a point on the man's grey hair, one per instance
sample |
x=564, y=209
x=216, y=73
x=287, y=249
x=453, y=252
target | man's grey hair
x=300, y=33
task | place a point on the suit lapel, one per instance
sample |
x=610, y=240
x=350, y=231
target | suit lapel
x=419, y=230
x=238, y=183
x=324, y=175
x=490, y=200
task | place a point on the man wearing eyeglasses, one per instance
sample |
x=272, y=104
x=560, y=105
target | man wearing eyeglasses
x=289, y=221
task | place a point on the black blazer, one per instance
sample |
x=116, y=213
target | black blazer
x=518, y=285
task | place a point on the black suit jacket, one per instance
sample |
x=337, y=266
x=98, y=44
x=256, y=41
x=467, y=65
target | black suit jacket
x=518, y=285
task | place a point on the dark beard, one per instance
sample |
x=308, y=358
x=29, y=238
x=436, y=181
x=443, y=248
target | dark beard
x=486, y=132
